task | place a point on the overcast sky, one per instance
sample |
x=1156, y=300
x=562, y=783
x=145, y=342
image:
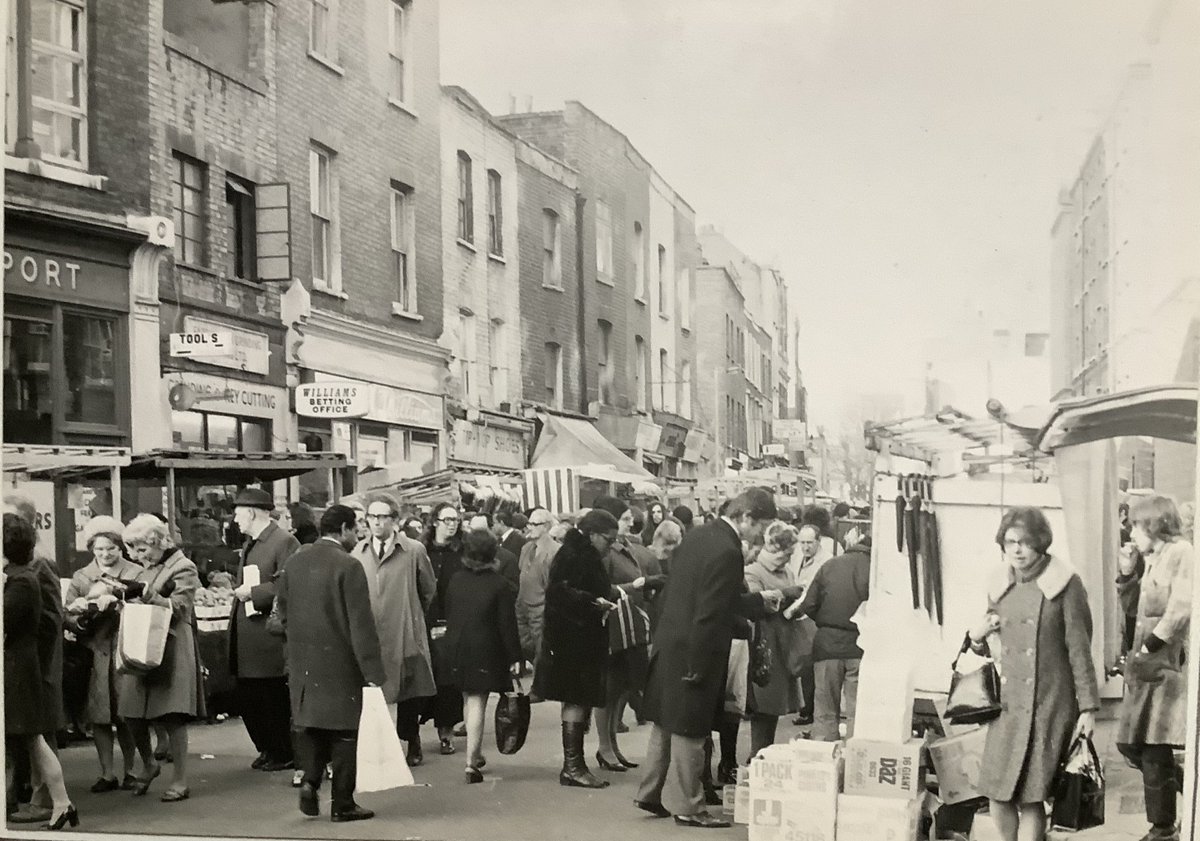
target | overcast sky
x=894, y=159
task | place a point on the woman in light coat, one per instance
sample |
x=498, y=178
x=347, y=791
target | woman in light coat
x=1154, y=712
x=93, y=613
x=1048, y=690
x=170, y=695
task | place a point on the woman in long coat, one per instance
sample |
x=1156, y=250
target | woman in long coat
x=780, y=696
x=483, y=644
x=574, y=655
x=443, y=542
x=93, y=611
x=1154, y=712
x=171, y=695
x=1048, y=685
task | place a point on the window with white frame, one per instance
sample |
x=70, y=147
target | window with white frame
x=403, y=222
x=466, y=199
x=604, y=241
x=685, y=299
x=57, y=99
x=685, y=389
x=323, y=212
x=188, y=179
x=322, y=29
x=498, y=356
x=399, y=66
x=664, y=301
x=554, y=375
x=241, y=218
x=495, y=213
x=466, y=354
x=639, y=262
x=604, y=362
x=639, y=373
x=551, y=250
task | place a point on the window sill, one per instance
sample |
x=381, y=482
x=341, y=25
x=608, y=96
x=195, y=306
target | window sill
x=497, y=258
x=683, y=329
x=400, y=312
x=470, y=246
x=332, y=293
x=552, y=288
x=607, y=281
x=400, y=106
x=641, y=301
x=664, y=316
x=328, y=64
x=55, y=172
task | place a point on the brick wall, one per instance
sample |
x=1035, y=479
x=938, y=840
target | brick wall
x=345, y=108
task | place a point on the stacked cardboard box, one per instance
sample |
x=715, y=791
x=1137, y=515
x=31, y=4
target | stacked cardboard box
x=884, y=789
x=737, y=797
x=794, y=790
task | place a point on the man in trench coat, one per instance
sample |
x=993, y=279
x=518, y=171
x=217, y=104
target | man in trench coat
x=324, y=607
x=686, y=687
x=256, y=655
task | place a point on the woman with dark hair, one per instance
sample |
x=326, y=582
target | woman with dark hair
x=1039, y=608
x=304, y=522
x=656, y=512
x=93, y=611
x=572, y=666
x=443, y=542
x=1154, y=711
x=481, y=637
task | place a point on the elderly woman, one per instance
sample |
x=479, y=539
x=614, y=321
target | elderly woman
x=170, y=695
x=574, y=658
x=1153, y=713
x=93, y=612
x=1039, y=608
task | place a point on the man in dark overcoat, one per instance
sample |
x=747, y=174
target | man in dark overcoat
x=686, y=686
x=324, y=606
x=256, y=655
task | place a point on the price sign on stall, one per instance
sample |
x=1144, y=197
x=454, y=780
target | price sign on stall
x=201, y=343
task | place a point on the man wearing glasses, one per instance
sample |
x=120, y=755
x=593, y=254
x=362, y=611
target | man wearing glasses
x=402, y=586
x=536, y=558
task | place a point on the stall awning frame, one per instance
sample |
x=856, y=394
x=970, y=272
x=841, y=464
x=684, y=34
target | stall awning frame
x=47, y=459
x=948, y=431
x=1167, y=412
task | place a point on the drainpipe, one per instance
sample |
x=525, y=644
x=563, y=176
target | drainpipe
x=581, y=326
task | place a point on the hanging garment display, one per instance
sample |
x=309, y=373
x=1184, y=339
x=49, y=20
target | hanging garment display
x=931, y=549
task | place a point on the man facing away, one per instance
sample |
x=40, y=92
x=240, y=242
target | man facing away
x=333, y=651
x=691, y=652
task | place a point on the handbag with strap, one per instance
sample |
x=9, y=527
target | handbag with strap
x=1079, y=788
x=974, y=696
x=512, y=719
x=762, y=659
x=628, y=626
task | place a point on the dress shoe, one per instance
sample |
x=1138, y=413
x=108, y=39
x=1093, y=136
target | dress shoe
x=415, y=755
x=447, y=747
x=621, y=758
x=726, y=774
x=622, y=727
x=128, y=782
x=257, y=764
x=702, y=820
x=308, y=800
x=355, y=813
x=30, y=814
x=69, y=815
x=656, y=809
x=105, y=784
x=615, y=767
x=473, y=775
x=175, y=795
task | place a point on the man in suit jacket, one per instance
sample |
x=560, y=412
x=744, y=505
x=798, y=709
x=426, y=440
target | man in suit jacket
x=255, y=655
x=324, y=608
x=508, y=534
x=686, y=687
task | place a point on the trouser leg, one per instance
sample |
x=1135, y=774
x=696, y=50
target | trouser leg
x=827, y=700
x=850, y=693
x=252, y=709
x=658, y=761
x=278, y=723
x=1158, y=779
x=313, y=752
x=762, y=732
x=345, y=768
x=408, y=714
x=687, y=758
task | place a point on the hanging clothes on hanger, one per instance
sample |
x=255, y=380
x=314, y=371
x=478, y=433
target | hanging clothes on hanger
x=931, y=548
x=901, y=505
x=912, y=540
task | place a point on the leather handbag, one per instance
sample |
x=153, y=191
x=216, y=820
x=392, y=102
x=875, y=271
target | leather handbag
x=762, y=659
x=974, y=696
x=1079, y=788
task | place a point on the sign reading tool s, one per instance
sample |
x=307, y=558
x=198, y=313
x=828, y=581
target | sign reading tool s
x=333, y=399
x=201, y=343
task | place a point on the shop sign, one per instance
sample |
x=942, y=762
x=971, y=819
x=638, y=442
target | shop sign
x=772, y=449
x=251, y=351
x=333, y=399
x=231, y=397
x=673, y=440
x=41, y=494
x=211, y=343
x=648, y=435
x=397, y=406
x=65, y=278
x=487, y=445
x=789, y=430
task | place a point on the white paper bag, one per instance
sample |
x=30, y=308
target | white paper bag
x=252, y=576
x=381, y=761
x=142, y=637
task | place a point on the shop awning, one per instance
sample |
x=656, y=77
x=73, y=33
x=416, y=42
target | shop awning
x=577, y=444
x=51, y=458
x=1167, y=412
x=219, y=468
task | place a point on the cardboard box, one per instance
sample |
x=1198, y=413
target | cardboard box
x=877, y=818
x=884, y=769
x=957, y=761
x=728, y=800
x=783, y=770
x=741, y=804
x=743, y=775
x=792, y=817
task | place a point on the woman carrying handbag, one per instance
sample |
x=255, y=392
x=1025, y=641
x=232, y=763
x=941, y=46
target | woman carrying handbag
x=1048, y=691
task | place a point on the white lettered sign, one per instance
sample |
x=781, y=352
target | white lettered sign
x=201, y=343
x=333, y=399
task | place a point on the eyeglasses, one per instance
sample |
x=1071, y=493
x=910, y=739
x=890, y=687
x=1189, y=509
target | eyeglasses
x=380, y=516
x=448, y=519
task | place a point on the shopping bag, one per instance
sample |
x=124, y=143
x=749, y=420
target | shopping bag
x=1079, y=788
x=974, y=696
x=762, y=659
x=141, y=638
x=512, y=720
x=737, y=678
x=381, y=761
x=628, y=626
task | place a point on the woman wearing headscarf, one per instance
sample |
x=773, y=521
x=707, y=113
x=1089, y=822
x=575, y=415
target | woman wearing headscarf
x=1153, y=722
x=655, y=514
x=633, y=571
x=93, y=613
x=1039, y=609
x=443, y=542
x=171, y=695
x=573, y=663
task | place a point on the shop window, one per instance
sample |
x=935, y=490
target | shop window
x=423, y=450
x=90, y=367
x=314, y=485
x=371, y=450
x=466, y=199
x=495, y=214
x=403, y=223
x=192, y=430
x=28, y=385
x=188, y=182
x=241, y=217
x=187, y=430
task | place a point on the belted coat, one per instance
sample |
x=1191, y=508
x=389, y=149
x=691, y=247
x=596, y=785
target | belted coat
x=254, y=652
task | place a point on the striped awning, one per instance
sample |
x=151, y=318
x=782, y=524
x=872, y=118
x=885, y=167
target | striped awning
x=554, y=488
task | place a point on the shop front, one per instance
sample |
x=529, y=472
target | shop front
x=488, y=453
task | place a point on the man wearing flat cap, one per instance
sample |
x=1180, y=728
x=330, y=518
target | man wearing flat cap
x=256, y=656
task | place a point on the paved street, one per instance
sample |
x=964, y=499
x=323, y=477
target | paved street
x=520, y=800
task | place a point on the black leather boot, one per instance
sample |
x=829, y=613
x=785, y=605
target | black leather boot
x=575, y=771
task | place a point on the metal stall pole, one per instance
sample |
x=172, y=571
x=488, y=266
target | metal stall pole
x=171, y=500
x=115, y=486
x=1191, y=755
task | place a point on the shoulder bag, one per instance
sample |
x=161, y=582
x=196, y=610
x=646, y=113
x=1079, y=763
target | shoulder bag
x=974, y=696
